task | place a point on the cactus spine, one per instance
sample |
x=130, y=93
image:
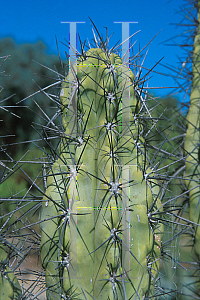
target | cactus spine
x=96, y=236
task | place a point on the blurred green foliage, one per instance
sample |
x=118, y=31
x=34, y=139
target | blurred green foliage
x=167, y=133
x=25, y=71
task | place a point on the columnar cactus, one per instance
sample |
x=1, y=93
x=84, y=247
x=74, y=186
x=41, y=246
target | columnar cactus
x=192, y=146
x=97, y=236
x=192, y=142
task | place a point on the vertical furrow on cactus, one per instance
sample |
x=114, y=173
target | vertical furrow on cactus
x=158, y=230
x=192, y=141
x=108, y=216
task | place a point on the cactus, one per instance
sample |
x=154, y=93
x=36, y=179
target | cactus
x=189, y=79
x=96, y=234
x=9, y=285
x=192, y=142
x=192, y=150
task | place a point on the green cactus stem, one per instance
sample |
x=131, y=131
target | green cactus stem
x=96, y=234
x=9, y=285
x=192, y=142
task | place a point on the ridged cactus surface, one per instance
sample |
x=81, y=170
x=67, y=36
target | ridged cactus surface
x=96, y=234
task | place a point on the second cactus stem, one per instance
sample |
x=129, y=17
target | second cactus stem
x=192, y=142
x=97, y=238
x=9, y=285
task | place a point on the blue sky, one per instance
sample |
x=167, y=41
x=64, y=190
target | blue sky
x=28, y=21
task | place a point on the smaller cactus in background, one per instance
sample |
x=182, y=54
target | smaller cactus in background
x=192, y=149
x=188, y=76
x=9, y=285
x=192, y=140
